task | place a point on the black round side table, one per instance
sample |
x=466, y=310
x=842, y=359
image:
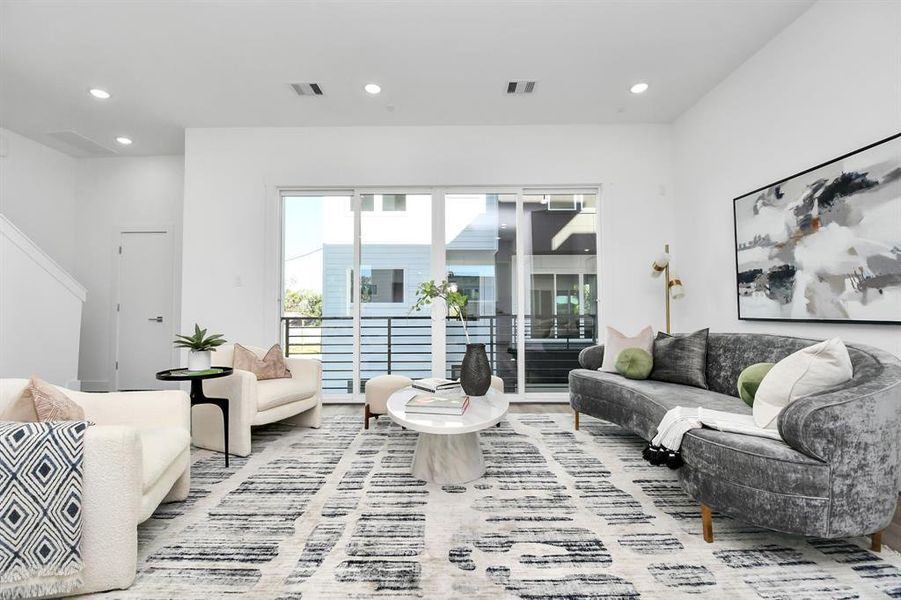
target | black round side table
x=197, y=397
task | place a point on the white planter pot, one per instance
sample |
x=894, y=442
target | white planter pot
x=199, y=361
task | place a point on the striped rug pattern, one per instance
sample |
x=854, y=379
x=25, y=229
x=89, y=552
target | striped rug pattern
x=334, y=513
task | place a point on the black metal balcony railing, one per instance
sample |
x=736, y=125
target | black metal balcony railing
x=403, y=345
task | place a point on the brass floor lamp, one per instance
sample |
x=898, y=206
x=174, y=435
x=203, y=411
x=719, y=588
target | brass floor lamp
x=673, y=288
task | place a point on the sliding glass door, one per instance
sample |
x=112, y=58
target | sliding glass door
x=395, y=242
x=526, y=259
x=317, y=321
x=560, y=250
x=480, y=253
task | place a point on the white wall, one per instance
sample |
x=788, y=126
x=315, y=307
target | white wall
x=230, y=233
x=826, y=85
x=40, y=312
x=37, y=193
x=116, y=194
x=40, y=301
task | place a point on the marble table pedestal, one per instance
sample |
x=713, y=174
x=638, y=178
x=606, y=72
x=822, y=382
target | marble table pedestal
x=448, y=449
x=448, y=459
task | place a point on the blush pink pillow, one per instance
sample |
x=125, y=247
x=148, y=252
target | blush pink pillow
x=271, y=366
x=42, y=401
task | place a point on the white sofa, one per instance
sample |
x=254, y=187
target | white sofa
x=297, y=400
x=136, y=456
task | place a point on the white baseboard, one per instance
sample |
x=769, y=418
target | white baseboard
x=95, y=386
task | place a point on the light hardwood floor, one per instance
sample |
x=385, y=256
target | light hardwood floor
x=516, y=407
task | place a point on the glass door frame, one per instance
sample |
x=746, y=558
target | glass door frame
x=439, y=268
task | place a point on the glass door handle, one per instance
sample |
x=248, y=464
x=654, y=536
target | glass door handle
x=158, y=319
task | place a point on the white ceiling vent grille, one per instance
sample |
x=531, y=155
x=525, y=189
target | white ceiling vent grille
x=520, y=87
x=307, y=89
x=80, y=146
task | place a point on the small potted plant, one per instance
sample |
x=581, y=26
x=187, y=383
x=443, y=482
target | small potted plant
x=475, y=372
x=200, y=347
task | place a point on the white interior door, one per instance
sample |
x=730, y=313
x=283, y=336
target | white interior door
x=144, y=344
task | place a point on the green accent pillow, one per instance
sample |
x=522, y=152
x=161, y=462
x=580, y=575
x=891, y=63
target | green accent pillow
x=634, y=363
x=750, y=379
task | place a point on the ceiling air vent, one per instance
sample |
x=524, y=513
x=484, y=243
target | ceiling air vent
x=78, y=145
x=307, y=89
x=520, y=87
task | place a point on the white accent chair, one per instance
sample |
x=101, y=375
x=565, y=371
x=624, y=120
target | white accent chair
x=378, y=390
x=296, y=400
x=136, y=456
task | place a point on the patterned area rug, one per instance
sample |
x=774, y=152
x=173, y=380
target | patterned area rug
x=333, y=513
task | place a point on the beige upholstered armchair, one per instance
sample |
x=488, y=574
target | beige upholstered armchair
x=136, y=456
x=297, y=400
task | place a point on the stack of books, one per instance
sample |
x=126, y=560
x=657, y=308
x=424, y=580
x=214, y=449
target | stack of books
x=427, y=404
x=438, y=386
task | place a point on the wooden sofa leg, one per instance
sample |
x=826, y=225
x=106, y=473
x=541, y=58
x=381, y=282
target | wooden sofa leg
x=576, y=413
x=366, y=415
x=876, y=541
x=707, y=523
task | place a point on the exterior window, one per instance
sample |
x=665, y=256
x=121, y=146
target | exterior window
x=394, y=202
x=383, y=202
x=570, y=202
x=561, y=201
x=385, y=286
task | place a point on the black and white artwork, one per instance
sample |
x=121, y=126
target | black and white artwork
x=825, y=244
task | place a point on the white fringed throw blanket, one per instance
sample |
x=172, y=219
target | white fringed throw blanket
x=680, y=420
x=41, y=469
x=664, y=448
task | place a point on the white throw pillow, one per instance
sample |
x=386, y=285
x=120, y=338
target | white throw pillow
x=808, y=371
x=617, y=342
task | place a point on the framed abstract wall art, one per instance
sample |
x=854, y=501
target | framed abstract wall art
x=824, y=245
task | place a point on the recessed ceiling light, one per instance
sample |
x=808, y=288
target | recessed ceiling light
x=99, y=94
x=124, y=140
x=639, y=88
x=372, y=88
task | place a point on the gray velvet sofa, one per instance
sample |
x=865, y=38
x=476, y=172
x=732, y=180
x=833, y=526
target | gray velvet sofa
x=838, y=472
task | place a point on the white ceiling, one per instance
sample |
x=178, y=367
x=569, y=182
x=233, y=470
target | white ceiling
x=177, y=64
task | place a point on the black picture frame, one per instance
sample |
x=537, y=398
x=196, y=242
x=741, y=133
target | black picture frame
x=735, y=248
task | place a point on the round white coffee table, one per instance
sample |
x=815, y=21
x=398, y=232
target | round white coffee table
x=448, y=449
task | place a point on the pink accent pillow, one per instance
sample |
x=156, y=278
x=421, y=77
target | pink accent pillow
x=271, y=366
x=42, y=401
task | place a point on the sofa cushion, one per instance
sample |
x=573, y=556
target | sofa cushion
x=634, y=363
x=270, y=366
x=160, y=446
x=637, y=404
x=50, y=403
x=808, y=371
x=617, y=342
x=681, y=358
x=749, y=380
x=755, y=462
x=277, y=392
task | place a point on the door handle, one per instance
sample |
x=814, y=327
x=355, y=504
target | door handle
x=158, y=319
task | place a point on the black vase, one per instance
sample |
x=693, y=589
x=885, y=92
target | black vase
x=475, y=373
